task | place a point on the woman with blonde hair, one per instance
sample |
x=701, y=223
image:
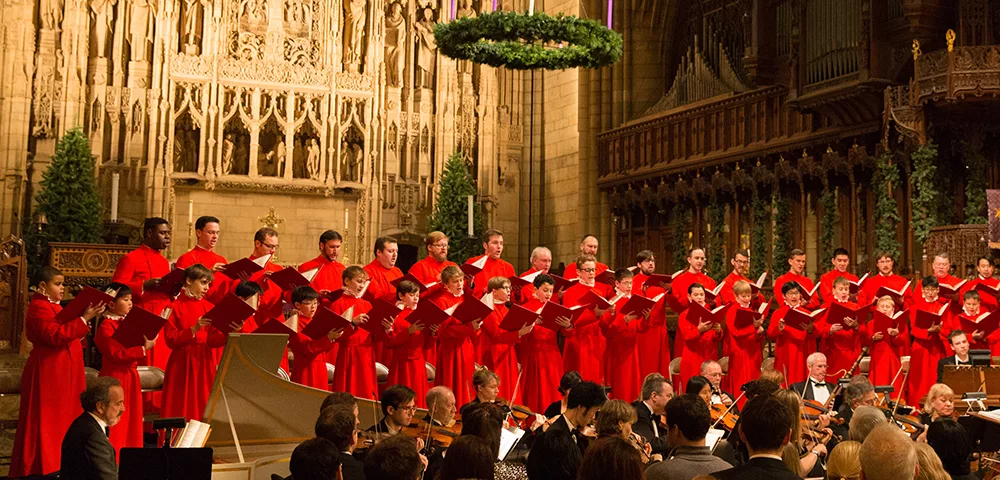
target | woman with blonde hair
x=929, y=463
x=844, y=462
x=940, y=403
x=808, y=452
x=615, y=420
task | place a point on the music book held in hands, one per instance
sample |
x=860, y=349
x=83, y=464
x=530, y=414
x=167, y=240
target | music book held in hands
x=606, y=277
x=986, y=322
x=594, y=300
x=807, y=295
x=290, y=278
x=380, y=312
x=87, y=297
x=698, y=313
x=139, y=325
x=856, y=286
x=759, y=284
x=563, y=284
x=231, y=309
x=711, y=295
x=882, y=322
x=897, y=295
x=324, y=321
x=517, y=317
x=982, y=287
x=746, y=316
x=839, y=311
x=470, y=309
x=245, y=267
x=194, y=435
x=423, y=287
x=551, y=312
x=948, y=290
x=656, y=279
x=926, y=319
x=275, y=326
x=171, y=283
x=473, y=268
x=428, y=315
x=799, y=320
x=638, y=304
x=524, y=280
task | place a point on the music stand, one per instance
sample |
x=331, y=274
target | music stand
x=165, y=464
x=980, y=358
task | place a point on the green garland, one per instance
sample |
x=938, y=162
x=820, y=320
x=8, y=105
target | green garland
x=828, y=202
x=526, y=42
x=759, y=220
x=975, y=184
x=716, y=241
x=884, y=181
x=924, y=195
x=782, y=233
x=679, y=220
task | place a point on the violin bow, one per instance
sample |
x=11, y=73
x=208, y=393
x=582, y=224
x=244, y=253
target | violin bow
x=728, y=409
x=900, y=396
x=517, y=385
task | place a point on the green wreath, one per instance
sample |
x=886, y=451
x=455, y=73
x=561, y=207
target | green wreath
x=527, y=42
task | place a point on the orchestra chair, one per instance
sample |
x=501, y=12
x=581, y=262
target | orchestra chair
x=381, y=373
x=431, y=372
x=329, y=375
x=150, y=380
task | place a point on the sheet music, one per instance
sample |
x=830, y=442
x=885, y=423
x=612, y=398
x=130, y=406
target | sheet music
x=712, y=438
x=508, y=439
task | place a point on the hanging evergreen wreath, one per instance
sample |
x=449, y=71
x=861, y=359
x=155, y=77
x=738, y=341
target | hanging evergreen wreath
x=760, y=219
x=924, y=195
x=526, y=42
x=884, y=181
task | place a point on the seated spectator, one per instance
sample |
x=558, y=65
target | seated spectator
x=688, y=421
x=611, y=458
x=766, y=426
x=888, y=454
x=951, y=443
x=863, y=421
x=468, y=457
x=339, y=424
x=844, y=462
x=394, y=458
x=554, y=457
x=315, y=459
x=929, y=463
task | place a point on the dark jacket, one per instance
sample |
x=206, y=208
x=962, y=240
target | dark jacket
x=797, y=388
x=949, y=361
x=351, y=467
x=86, y=452
x=758, y=469
x=649, y=427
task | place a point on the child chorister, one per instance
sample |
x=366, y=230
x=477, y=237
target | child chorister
x=698, y=342
x=886, y=349
x=584, y=348
x=355, y=368
x=310, y=363
x=120, y=362
x=456, y=355
x=622, y=356
x=928, y=343
x=792, y=344
x=542, y=362
x=745, y=354
x=841, y=338
x=498, y=344
x=405, y=347
x=53, y=378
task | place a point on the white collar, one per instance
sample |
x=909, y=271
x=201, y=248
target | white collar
x=100, y=421
x=646, y=403
x=813, y=380
x=766, y=455
x=571, y=426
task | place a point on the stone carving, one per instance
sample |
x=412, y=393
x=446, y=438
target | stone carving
x=191, y=26
x=275, y=159
x=351, y=159
x=51, y=13
x=228, y=150
x=354, y=31
x=312, y=159
x=103, y=18
x=426, y=48
x=253, y=13
x=140, y=26
x=395, y=45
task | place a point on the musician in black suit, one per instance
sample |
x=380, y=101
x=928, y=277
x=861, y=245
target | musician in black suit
x=815, y=387
x=656, y=392
x=711, y=370
x=960, y=344
x=339, y=425
x=765, y=426
x=86, y=452
x=398, y=406
x=582, y=405
x=859, y=392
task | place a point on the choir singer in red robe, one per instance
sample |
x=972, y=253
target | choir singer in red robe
x=622, y=331
x=745, y=354
x=588, y=246
x=542, y=362
x=841, y=338
x=884, y=278
x=680, y=286
x=269, y=304
x=497, y=344
x=583, y=350
x=796, y=268
x=310, y=365
x=928, y=343
x=329, y=272
x=841, y=260
x=355, y=368
x=984, y=270
x=887, y=348
x=792, y=344
x=654, y=347
x=52, y=379
x=456, y=357
x=741, y=267
x=206, y=231
x=428, y=270
x=405, y=347
x=541, y=261
x=700, y=342
x=382, y=271
x=494, y=266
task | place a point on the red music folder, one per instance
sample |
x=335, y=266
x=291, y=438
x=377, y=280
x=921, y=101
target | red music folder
x=563, y=284
x=948, y=290
x=324, y=321
x=428, y=315
x=231, y=309
x=759, y=284
x=245, y=267
x=289, y=278
x=470, y=309
x=882, y=322
x=380, y=312
x=423, y=288
x=896, y=294
x=698, y=313
x=856, y=286
x=594, y=300
x=807, y=295
x=985, y=322
x=171, y=283
x=473, y=268
x=746, y=316
x=275, y=326
x=606, y=277
x=982, y=287
x=139, y=325
x=518, y=317
x=637, y=304
x=838, y=311
x=87, y=297
x=517, y=283
x=926, y=319
x=711, y=295
x=799, y=319
x=553, y=311
x=656, y=279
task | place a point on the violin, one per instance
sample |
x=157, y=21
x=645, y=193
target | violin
x=724, y=416
x=440, y=435
x=520, y=413
x=811, y=410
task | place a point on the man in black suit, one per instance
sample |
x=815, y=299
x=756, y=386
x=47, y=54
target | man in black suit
x=582, y=406
x=339, y=425
x=960, y=344
x=86, y=452
x=315, y=459
x=398, y=407
x=765, y=427
x=815, y=387
x=656, y=393
x=859, y=392
x=711, y=370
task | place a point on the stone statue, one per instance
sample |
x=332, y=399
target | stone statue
x=228, y=148
x=354, y=30
x=357, y=159
x=103, y=18
x=279, y=158
x=395, y=45
x=51, y=13
x=345, y=162
x=464, y=9
x=192, y=22
x=312, y=159
x=253, y=12
x=426, y=48
x=138, y=29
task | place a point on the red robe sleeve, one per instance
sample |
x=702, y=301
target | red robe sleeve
x=41, y=323
x=175, y=333
x=491, y=328
x=306, y=348
x=126, y=275
x=113, y=349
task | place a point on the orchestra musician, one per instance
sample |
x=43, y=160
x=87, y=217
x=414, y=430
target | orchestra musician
x=815, y=387
x=398, y=404
x=959, y=342
x=650, y=409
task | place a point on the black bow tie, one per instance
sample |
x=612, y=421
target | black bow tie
x=107, y=432
x=819, y=384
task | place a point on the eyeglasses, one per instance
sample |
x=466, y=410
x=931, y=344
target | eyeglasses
x=268, y=246
x=411, y=409
x=440, y=245
x=588, y=270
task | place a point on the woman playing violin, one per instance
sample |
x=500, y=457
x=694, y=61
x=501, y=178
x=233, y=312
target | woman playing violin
x=940, y=403
x=808, y=442
x=699, y=385
x=486, y=384
x=616, y=420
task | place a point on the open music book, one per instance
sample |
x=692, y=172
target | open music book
x=508, y=440
x=194, y=435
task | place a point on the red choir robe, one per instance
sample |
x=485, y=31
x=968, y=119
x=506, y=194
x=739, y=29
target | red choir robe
x=309, y=368
x=407, y=365
x=270, y=303
x=842, y=347
x=885, y=353
x=621, y=360
x=527, y=292
x=585, y=345
x=355, y=367
x=826, y=284
x=679, y=292
x=492, y=268
x=456, y=356
x=381, y=287
x=133, y=269
x=498, y=352
x=958, y=303
x=120, y=362
x=428, y=271
x=571, y=273
x=329, y=278
x=51, y=384
x=541, y=365
x=221, y=284
x=803, y=281
x=958, y=325
x=987, y=301
x=745, y=352
x=928, y=348
x=654, y=345
x=726, y=295
x=191, y=369
x=792, y=346
x=696, y=347
x=993, y=340
x=867, y=294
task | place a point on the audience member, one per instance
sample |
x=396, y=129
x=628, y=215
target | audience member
x=951, y=443
x=87, y=453
x=554, y=457
x=611, y=458
x=569, y=380
x=863, y=421
x=394, y=458
x=339, y=424
x=765, y=428
x=844, y=462
x=888, y=454
x=315, y=459
x=929, y=464
x=688, y=421
x=468, y=458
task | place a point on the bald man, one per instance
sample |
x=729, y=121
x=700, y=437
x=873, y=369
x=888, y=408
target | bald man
x=588, y=246
x=888, y=442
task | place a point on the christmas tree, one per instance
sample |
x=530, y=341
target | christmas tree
x=68, y=197
x=451, y=211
